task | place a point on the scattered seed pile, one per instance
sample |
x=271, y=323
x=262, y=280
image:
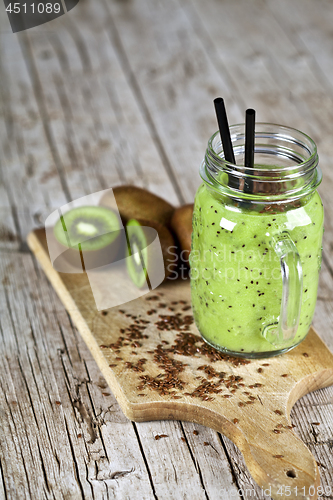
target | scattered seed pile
x=170, y=380
x=165, y=356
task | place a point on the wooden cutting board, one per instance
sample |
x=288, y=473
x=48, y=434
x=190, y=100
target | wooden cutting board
x=157, y=366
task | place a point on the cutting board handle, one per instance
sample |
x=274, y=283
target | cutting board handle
x=277, y=459
x=292, y=472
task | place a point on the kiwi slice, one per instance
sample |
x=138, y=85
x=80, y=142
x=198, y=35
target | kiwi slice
x=90, y=232
x=144, y=263
x=181, y=225
x=137, y=203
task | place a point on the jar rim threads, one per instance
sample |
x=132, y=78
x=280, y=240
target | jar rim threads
x=286, y=164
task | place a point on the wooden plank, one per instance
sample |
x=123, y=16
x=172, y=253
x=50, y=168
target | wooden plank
x=176, y=80
x=280, y=80
x=153, y=104
x=28, y=175
x=287, y=90
x=152, y=160
x=97, y=125
x=65, y=434
x=132, y=110
x=190, y=467
x=70, y=144
x=312, y=56
x=255, y=75
x=108, y=336
x=26, y=164
x=89, y=427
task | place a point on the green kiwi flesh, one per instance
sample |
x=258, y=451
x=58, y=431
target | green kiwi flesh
x=88, y=237
x=142, y=263
x=138, y=254
x=92, y=227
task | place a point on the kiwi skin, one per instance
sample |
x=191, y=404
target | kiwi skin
x=137, y=203
x=181, y=225
x=168, y=246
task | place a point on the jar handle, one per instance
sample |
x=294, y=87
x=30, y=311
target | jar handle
x=284, y=331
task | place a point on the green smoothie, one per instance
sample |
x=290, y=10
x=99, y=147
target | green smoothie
x=236, y=275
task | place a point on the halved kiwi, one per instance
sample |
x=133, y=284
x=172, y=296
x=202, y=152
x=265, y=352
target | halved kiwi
x=137, y=203
x=181, y=225
x=89, y=235
x=144, y=264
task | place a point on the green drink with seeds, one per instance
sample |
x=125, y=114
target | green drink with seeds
x=256, y=254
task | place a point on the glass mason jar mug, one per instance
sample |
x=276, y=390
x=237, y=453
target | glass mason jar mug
x=256, y=243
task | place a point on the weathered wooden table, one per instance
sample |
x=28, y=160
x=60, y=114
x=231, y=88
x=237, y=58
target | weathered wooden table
x=121, y=91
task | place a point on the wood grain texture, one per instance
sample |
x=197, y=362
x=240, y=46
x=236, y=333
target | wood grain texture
x=275, y=461
x=156, y=66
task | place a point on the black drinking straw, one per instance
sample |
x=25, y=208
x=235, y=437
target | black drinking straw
x=250, y=119
x=222, y=121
